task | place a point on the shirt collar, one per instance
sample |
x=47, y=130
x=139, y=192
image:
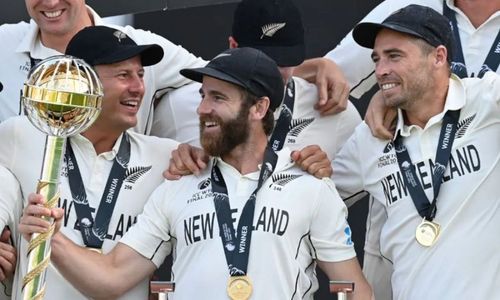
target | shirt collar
x=455, y=99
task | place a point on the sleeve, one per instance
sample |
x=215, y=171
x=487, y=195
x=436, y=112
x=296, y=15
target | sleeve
x=354, y=60
x=175, y=115
x=150, y=235
x=347, y=169
x=10, y=201
x=175, y=58
x=8, y=137
x=330, y=234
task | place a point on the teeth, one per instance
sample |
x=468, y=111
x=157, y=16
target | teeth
x=388, y=86
x=132, y=103
x=210, y=124
x=52, y=14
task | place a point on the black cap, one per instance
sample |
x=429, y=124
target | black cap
x=101, y=45
x=246, y=67
x=272, y=26
x=416, y=20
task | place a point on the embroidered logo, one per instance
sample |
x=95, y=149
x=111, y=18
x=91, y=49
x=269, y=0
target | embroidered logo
x=348, y=235
x=280, y=180
x=463, y=125
x=119, y=35
x=298, y=125
x=204, y=184
x=133, y=174
x=270, y=29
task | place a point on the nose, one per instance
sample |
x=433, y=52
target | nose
x=204, y=107
x=381, y=68
x=136, y=85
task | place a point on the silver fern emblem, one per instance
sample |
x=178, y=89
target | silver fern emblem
x=283, y=179
x=132, y=174
x=119, y=35
x=463, y=125
x=270, y=29
x=298, y=125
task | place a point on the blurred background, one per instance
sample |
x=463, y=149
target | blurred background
x=203, y=26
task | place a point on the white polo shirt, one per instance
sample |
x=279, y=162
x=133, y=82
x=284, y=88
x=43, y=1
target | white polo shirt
x=355, y=61
x=10, y=212
x=463, y=264
x=176, y=118
x=297, y=218
x=22, y=151
x=21, y=41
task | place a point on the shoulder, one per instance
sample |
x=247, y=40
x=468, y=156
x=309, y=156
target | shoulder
x=14, y=31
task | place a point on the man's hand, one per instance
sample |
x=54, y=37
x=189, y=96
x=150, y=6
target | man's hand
x=32, y=221
x=8, y=256
x=185, y=160
x=333, y=89
x=313, y=160
x=380, y=118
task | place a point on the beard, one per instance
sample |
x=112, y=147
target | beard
x=233, y=132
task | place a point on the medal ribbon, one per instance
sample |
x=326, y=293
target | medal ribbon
x=425, y=208
x=458, y=65
x=236, y=243
x=94, y=232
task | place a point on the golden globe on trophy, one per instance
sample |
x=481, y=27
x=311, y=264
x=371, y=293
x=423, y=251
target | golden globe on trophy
x=61, y=97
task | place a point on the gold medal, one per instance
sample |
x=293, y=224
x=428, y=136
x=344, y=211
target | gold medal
x=239, y=287
x=427, y=233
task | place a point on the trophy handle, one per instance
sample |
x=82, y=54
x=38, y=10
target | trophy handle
x=39, y=246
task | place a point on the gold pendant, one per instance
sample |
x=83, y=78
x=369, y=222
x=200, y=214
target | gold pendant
x=239, y=287
x=427, y=233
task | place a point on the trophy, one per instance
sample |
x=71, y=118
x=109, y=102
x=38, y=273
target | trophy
x=61, y=97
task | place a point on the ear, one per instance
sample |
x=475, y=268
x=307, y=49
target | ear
x=441, y=56
x=232, y=42
x=260, y=108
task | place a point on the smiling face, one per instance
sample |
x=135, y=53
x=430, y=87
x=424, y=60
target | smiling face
x=403, y=67
x=223, y=112
x=123, y=91
x=58, y=17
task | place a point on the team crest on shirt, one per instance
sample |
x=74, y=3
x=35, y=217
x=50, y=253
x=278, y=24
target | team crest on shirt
x=296, y=127
x=133, y=174
x=463, y=126
x=388, y=157
x=281, y=179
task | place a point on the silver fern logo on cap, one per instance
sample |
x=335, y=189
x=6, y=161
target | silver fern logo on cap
x=270, y=29
x=119, y=35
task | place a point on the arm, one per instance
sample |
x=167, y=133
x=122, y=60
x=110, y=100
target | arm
x=380, y=118
x=7, y=255
x=187, y=159
x=94, y=274
x=348, y=270
x=333, y=88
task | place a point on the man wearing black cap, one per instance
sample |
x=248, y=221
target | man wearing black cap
x=107, y=160
x=275, y=27
x=437, y=179
x=252, y=225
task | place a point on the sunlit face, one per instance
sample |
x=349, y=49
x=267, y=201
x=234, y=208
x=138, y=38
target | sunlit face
x=404, y=72
x=57, y=17
x=224, y=122
x=123, y=91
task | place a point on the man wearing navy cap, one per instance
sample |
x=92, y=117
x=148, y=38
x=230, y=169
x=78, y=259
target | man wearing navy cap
x=249, y=226
x=107, y=159
x=437, y=179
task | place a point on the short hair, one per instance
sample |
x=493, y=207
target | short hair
x=250, y=99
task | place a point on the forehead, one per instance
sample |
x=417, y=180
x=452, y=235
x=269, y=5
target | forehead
x=388, y=39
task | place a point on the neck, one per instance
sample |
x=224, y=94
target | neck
x=478, y=11
x=58, y=41
x=103, y=141
x=247, y=157
x=429, y=105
